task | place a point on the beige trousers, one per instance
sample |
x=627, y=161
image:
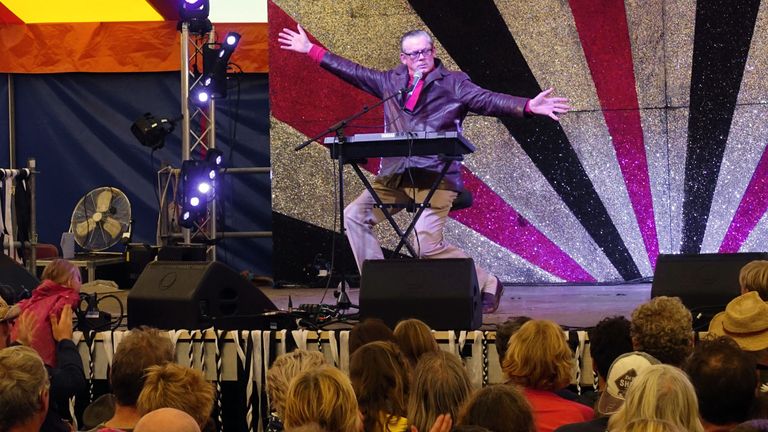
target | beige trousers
x=360, y=216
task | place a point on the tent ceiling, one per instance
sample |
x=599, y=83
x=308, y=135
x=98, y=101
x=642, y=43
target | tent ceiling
x=79, y=11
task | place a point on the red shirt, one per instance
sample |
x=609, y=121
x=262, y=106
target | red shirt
x=550, y=411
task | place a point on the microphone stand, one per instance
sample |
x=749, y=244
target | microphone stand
x=342, y=300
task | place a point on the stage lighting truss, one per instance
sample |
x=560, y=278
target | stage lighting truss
x=197, y=190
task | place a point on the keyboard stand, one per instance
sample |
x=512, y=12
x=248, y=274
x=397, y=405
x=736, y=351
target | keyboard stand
x=420, y=206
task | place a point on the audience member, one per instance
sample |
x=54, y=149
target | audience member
x=620, y=376
x=7, y=314
x=745, y=320
x=754, y=277
x=167, y=420
x=725, y=382
x=414, y=337
x=380, y=376
x=757, y=425
x=663, y=328
x=175, y=386
x=440, y=386
x=653, y=425
x=323, y=396
x=23, y=390
x=609, y=339
x=539, y=360
x=141, y=348
x=505, y=331
x=59, y=290
x=660, y=392
x=279, y=376
x=369, y=330
x=500, y=408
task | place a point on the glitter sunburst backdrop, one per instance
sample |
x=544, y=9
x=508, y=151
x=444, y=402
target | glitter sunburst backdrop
x=663, y=153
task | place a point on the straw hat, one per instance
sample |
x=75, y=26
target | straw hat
x=8, y=313
x=745, y=319
x=622, y=372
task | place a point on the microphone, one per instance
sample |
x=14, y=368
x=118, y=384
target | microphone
x=416, y=79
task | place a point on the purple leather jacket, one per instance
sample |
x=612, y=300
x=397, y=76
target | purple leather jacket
x=445, y=100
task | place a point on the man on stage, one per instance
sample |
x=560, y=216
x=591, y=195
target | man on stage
x=439, y=100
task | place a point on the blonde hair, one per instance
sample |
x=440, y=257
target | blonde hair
x=538, y=356
x=660, y=392
x=754, y=277
x=414, y=337
x=440, y=385
x=284, y=369
x=23, y=379
x=323, y=396
x=61, y=271
x=663, y=328
x=175, y=386
x=652, y=425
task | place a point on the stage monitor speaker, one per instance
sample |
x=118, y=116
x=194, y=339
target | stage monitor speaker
x=704, y=282
x=195, y=295
x=441, y=292
x=16, y=283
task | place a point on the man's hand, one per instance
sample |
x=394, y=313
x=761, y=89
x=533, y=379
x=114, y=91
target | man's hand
x=27, y=326
x=62, y=327
x=549, y=106
x=294, y=41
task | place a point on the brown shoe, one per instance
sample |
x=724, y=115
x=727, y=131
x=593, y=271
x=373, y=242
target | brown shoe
x=491, y=301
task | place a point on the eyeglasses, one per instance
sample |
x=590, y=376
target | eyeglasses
x=416, y=54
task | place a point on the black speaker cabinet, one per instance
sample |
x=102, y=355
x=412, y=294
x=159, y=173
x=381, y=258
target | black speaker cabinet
x=704, y=282
x=16, y=282
x=441, y=292
x=194, y=295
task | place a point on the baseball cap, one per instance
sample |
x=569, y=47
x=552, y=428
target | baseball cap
x=622, y=372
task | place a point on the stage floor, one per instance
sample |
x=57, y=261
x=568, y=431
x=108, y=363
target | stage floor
x=572, y=306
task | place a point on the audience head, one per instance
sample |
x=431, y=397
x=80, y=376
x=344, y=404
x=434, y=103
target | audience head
x=725, y=380
x=469, y=428
x=653, y=425
x=622, y=372
x=660, y=392
x=745, y=320
x=174, y=386
x=141, y=348
x=440, y=386
x=380, y=376
x=369, y=330
x=538, y=357
x=284, y=369
x=322, y=396
x=414, y=337
x=23, y=388
x=167, y=420
x=505, y=331
x=754, y=277
x=500, y=408
x=63, y=273
x=608, y=340
x=663, y=328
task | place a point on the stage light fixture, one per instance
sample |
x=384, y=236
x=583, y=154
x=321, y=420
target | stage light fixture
x=197, y=189
x=194, y=9
x=231, y=40
x=215, y=156
x=151, y=131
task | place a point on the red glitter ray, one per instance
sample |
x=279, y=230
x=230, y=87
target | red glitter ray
x=604, y=35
